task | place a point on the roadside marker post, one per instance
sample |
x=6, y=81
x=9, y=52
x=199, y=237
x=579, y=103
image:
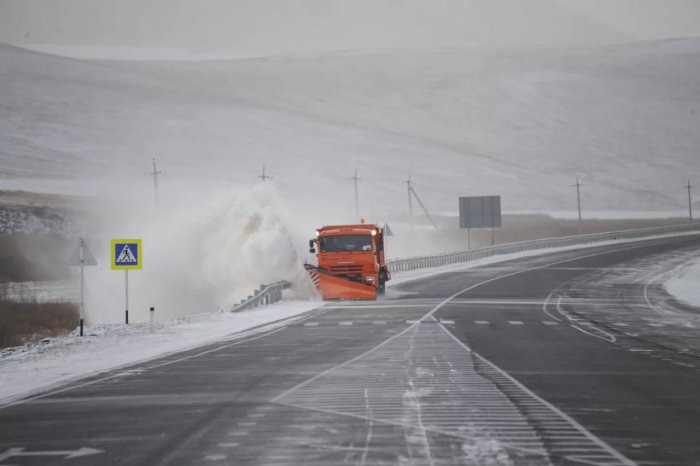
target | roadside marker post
x=150, y=319
x=127, y=254
x=81, y=257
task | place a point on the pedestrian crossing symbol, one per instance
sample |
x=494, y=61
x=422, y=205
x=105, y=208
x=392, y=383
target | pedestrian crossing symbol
x=126, y=254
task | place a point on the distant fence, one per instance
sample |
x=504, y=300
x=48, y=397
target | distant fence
x=266, y=294
x=413, y=263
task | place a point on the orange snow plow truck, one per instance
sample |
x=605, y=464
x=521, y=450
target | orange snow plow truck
x=350, y=262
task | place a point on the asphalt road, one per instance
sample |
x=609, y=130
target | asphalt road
x=572, y=358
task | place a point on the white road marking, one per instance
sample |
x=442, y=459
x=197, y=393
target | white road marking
x=248, y=423
x=311, y=324
x=238, y=433
x=228, y=445
x=546, y=302
x=516, y=322
x=481, y=322
x=447, y=322
x=550, y=322
x=346, y=322
x=68, y=454
x=215, y=457
x=585, y=327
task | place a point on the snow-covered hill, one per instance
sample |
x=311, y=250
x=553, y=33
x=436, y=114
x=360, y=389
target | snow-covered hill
x=520, y=122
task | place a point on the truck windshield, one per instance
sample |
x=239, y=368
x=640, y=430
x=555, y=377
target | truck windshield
x=346, y=243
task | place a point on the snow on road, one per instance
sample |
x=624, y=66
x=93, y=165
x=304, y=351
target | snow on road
x=684, y=283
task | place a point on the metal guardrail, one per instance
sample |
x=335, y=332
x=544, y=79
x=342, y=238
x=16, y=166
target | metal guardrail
x=401, y=265
x=266, y=294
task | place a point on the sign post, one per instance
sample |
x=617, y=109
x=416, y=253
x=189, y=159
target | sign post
x=479, y=212
x=126, y=255
x=81, y=257
x=387, y=234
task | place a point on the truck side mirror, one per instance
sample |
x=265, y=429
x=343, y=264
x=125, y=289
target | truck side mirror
x=311, y=243
x=312, y=250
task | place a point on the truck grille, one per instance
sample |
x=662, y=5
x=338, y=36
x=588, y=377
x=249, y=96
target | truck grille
x=346, y=269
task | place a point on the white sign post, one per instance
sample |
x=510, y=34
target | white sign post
x=81, y=257
x=126, y=255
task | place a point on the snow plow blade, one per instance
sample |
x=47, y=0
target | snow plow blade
x=334, y=287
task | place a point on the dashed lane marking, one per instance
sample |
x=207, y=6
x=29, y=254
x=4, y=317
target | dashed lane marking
x=550, y=322
x=447, y=322
x=346, y=322
x=481, y=322
x=311, y=324
x=516, y=322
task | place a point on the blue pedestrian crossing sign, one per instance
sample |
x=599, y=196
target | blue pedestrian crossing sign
x=126, y=254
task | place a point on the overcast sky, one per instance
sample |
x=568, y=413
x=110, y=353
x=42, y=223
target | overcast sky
x=275, y=26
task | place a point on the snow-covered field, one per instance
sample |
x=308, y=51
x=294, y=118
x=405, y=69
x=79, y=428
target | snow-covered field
x=684, y=283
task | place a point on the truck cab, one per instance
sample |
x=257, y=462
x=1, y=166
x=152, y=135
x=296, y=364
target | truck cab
x=353, y=254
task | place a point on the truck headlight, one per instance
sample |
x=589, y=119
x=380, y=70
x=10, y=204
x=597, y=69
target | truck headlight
x=371, y=278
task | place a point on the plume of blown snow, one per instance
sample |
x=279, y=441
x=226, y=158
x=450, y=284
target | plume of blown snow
x=200, y=254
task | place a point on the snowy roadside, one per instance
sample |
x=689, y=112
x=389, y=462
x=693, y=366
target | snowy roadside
x=30, y=369
x=684, y=283
x=34, y=368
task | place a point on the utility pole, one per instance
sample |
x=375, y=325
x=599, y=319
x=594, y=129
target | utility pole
x=578, y=197
x=409, y=183
x=690, y=203
x=264, y=177
x=155, y=174
x=357, y=201
x=422, y=206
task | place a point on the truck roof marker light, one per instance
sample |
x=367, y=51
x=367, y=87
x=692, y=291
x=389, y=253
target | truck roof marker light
x=318, y=233
x=374, y=232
